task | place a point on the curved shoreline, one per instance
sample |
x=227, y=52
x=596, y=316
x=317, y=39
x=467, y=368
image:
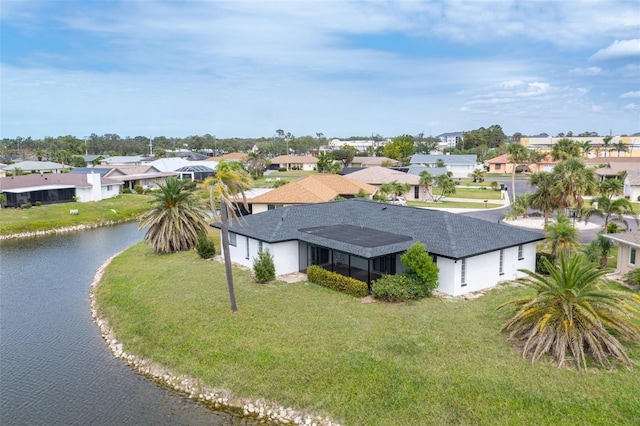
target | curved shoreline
x=63, y=229
x=190, y=386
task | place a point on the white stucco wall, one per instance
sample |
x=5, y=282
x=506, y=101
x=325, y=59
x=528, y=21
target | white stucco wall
x=285, y=254
x=309, y=167
x=260, y=208
x=84, y=194
x=483, y=271
x=110, y=191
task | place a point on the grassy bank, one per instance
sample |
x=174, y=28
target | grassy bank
x=454, y=204
x=437, y=361
x=53, y=216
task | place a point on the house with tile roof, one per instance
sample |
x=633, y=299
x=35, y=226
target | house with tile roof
x=628, y=250
x=459, y=165
x=311, y=189
x=364, y=239
x=616, y=169
x=143, y=175
x=374, y=161
x=294, y=162
x=501, y=164
x=240, y=157
x=378, y=176
x=50, y=188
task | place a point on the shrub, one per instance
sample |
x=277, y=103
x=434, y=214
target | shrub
x=541, y=268
x=351, y=286
x=632, y=277
x=613, y=228
x=38, y=203
x=282, y=169
x=279, y=183
x=398, y=288
x=205, y=247
x=421, y=267
x=126, y=191
x=25, y=206
x=189, y=185
x=263, y=268
x=139, y=189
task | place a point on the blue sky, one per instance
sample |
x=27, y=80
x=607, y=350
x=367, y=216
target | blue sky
x=248, y=68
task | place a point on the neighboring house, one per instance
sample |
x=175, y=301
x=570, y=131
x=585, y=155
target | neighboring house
x=195, y=173
x=378, y=176
x=632, y=185
x=30, y=166
x=92, y=159
x=123, y=160
x=616, y=169
x=3, y=173
x=172, y=164
x=459, y=165
x=374, y=161
x=598, y=148
x=416, y=170
x=365, y=239
x=628, y=250
x=52, y=188
x=187, y=155
x=501, y=164
x=311, y=189
x=240, y=157
x=145, y=176
x=294, y=162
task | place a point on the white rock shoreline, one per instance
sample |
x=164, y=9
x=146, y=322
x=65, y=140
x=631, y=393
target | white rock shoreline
x=60, y=230
x=194, y=388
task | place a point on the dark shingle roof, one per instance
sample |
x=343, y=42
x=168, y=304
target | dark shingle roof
x=442, y=233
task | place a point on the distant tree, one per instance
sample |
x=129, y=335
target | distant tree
x=256, y=163
x=598, y=250
x=620, y=147
x=478, y=175
x=445, y=186
x=516, y=137
x=611, y=187
x=77, y=161
x=518, y=154
x=545, y=198
x=400, y=148
x=606, y=142
x=426, y=145
x=345, y=154
x=573, y=180
x=566, y=148
x=440, y=163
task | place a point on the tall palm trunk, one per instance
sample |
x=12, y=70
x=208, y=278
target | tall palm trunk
x=224, y=216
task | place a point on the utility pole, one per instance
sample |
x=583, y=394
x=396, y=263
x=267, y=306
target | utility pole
x=150, y=146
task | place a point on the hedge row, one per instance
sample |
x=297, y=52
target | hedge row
x=351, y=286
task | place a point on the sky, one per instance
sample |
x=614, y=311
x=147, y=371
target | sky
x=341, y=68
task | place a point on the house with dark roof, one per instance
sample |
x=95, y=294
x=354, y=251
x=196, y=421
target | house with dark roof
x=628, y=250
x=50, y=188
x=365, y=239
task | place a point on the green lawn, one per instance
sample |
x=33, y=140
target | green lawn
x=454, y=204
x=51, y=216
x=476, y=193
x=436, y=361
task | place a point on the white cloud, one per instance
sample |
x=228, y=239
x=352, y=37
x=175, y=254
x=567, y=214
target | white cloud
x=585, y=72
x=629, y=95
x=619, y=49
x=631, y=106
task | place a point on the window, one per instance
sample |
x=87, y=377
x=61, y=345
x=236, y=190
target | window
x=463, y=278
x=259, y=246
x=273, y=206
x=632, y=256
x=247, y=256
x=232, y=239
x=520, y=254
x=108, y=187
x=498, y=166
x=416, y=192
x=501, y=262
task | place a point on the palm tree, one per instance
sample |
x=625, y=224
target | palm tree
x=394, y=189
x=598, y=250
x=574, y=312
x=446, y=186
x=256, y=163
x=230, y=182
x=619, y=146
x=586, y=148
x=427, y=180
x=606, y=141
x=176, y=219
x=611, y=187
x=607, y=208
x=566, y=148
x=563, y=236
x=518, y=154
x=478, y=175
x=573, y=180
x=544, y=198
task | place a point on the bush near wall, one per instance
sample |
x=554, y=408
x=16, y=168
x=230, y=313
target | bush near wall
x=541, y=268
x=350, y=286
